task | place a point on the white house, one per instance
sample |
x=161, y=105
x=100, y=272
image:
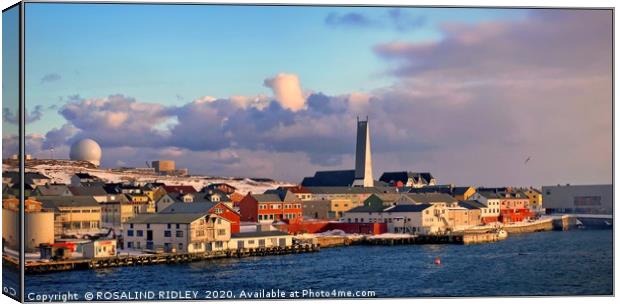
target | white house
x=177, y=232
x=260, y=239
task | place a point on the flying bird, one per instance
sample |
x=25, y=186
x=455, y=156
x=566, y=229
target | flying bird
x=527, y=160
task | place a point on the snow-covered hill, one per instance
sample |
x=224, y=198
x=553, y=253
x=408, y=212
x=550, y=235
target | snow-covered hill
x=60, y=171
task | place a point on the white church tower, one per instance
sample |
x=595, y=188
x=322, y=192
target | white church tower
x=363, y=159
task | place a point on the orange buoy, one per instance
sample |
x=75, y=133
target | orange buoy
x=437, y=261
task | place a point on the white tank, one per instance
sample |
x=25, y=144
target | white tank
x=86, y=149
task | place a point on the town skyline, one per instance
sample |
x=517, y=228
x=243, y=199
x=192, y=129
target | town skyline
x=473, y=96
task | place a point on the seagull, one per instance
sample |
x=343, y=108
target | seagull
x=527, y=160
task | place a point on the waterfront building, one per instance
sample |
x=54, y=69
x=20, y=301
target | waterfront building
x=38, y=224
x=177, y=232
x=461, y=216
x=270, y=207
x=74, y=216
x=403, y=218
x=514, y=206
x=536, y=199
x=99, y=249
x=485, y=214
x=408, y=179
x=326, y=209
x=115, y=213
x=220, y=209
x=578, y=199
x=260, y=239
x=492, y=201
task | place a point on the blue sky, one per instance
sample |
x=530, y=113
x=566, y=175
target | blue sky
x=162, y=53
x=274, y=91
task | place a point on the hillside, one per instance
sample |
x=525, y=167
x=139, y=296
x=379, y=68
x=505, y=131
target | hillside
x=60, y=171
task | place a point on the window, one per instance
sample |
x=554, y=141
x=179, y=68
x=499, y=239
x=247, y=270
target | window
x=167, y=233
x=129, y=244
x=178, y=226
x=221, y=231
x=129, y=232
x=179, y=233
x=180, y=245
x=140, y=233
x=169, y=226
x=148, y=226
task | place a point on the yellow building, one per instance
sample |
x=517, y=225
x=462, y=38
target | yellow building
x=535, y=198
x=74, y=216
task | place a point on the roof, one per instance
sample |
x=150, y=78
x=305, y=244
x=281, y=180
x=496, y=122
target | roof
x=53, y=202
x=266, y=197
x=165, y=218
x=403, y=176
x=178, y=197
x=29, y=177
x=387, y=197
x=367, y=208
x=460, y=190
x=258, y=234
x=53, y=190
x=208, y=193
x=351, y=190
x=337, y=178
x=472, y=204
x=408, y=208
x=431, y=197
x=296, y=189
x=87, y=190
x=180, y=189
x=180, y=207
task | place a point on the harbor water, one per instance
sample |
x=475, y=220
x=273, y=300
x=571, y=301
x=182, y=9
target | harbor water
x=577, y=262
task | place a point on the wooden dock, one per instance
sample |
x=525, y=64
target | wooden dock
x=33, y=267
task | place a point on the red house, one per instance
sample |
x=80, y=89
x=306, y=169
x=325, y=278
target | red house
x=514, y=207
x=220, y=209
x=273, y=205
x=228, y=213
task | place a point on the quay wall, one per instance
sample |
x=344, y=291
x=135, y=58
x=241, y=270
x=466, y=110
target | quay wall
x=546, y=225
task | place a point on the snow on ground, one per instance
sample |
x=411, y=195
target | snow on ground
x=61, y=173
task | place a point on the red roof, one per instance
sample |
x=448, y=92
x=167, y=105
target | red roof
x=180, y=189
x=297, y=189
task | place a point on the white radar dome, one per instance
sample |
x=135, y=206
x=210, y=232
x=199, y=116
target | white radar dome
x=86, y=149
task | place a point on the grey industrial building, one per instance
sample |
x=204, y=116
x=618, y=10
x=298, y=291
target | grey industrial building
x=578, y=199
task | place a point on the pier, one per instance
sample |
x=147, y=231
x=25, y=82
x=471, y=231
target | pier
x=33, y=267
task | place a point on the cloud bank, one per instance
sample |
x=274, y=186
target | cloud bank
x=470, y=108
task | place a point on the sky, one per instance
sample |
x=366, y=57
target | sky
x=467, y=94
